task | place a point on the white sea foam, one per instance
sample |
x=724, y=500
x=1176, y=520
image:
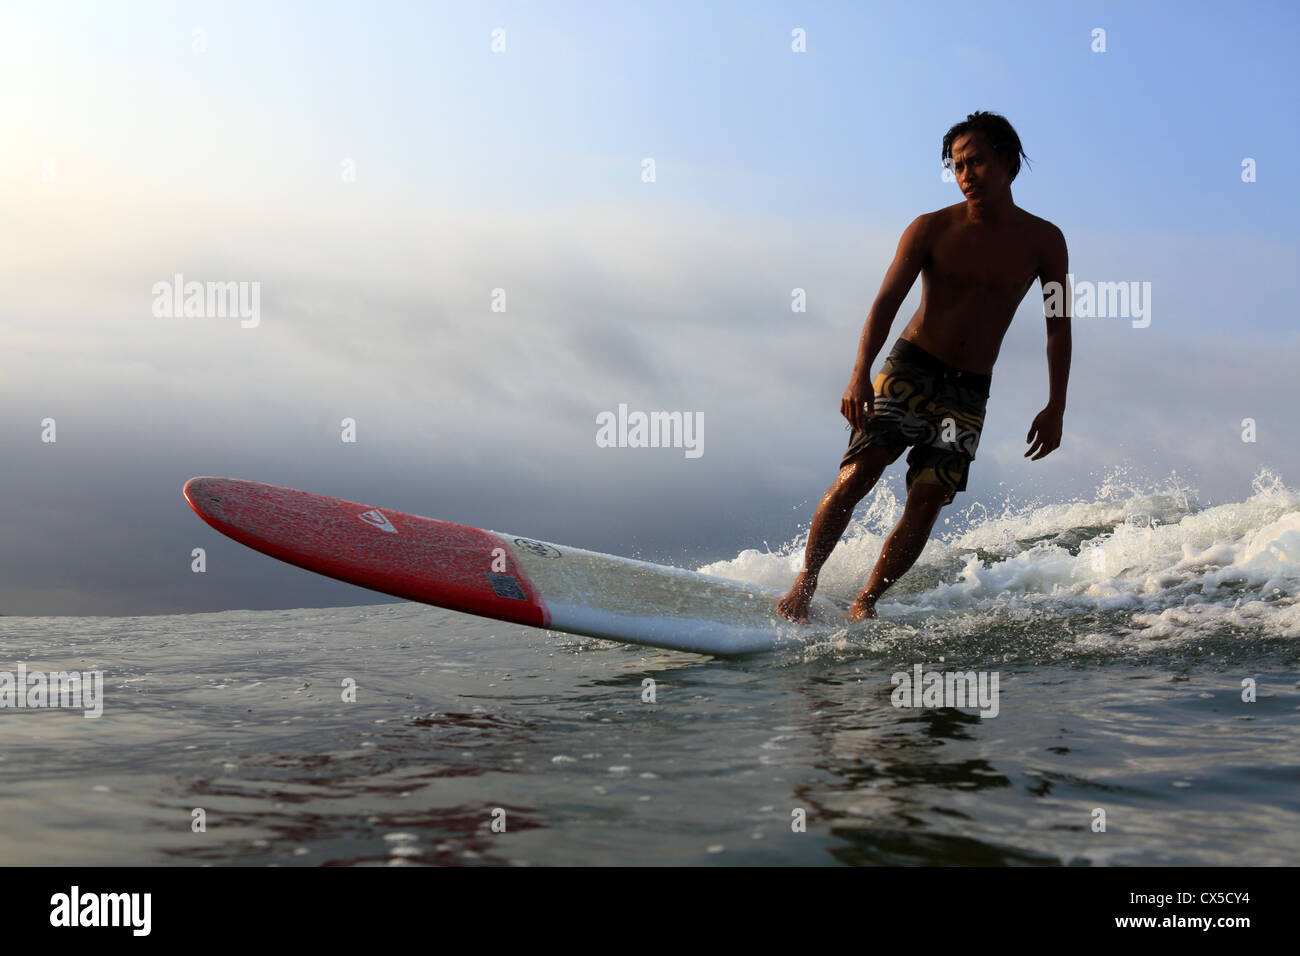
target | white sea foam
x=1175, y=566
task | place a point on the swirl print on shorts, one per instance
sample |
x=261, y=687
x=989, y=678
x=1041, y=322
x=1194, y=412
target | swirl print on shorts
x=937, y=409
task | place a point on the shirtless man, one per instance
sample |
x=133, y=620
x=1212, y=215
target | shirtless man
x=978, y=259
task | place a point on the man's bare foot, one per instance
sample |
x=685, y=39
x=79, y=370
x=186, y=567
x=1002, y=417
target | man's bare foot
x=861, y=610
x=794, y=606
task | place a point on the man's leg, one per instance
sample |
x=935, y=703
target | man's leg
x=857, y=476
x=904, y=544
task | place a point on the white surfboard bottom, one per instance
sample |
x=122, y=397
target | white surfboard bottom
x=623, y=599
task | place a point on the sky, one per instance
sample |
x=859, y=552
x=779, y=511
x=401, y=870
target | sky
x=446, y=214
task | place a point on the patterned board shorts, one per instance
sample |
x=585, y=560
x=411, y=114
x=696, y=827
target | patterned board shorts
x=924, y=402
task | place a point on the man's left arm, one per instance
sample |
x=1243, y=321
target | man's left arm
x=1045, y=432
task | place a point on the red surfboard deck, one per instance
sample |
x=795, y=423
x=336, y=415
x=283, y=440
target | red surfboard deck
x=407, y=556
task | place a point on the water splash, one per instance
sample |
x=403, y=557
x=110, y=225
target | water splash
x=1140, y=562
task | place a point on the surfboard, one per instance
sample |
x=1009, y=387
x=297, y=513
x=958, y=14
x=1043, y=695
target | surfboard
x=504, y=576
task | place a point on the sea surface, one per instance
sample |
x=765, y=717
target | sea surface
x=1146, y=649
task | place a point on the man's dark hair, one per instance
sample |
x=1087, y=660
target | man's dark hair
x=997, y=131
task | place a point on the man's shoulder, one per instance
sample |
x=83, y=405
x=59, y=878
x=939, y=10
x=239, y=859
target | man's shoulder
x=930, y=222
x=946, y=214
x=1048, y=231
x=1049, y=245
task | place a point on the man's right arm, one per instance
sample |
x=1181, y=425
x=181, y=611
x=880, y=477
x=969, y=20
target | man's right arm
x=912, y=251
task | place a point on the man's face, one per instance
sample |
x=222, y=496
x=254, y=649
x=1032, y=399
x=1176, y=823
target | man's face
x=981, y=173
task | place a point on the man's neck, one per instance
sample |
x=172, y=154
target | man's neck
x=990, y=214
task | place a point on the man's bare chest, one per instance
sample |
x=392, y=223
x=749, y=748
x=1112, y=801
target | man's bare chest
x=1003, y=262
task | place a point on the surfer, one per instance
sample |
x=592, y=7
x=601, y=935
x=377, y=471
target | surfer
x=977, y=258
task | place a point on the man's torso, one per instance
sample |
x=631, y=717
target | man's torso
x=974, y=276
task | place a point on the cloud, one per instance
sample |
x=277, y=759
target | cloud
x=488, y=418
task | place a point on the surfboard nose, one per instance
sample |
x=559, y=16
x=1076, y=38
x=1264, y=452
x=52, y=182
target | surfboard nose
x=204, y=494
x=195, y=487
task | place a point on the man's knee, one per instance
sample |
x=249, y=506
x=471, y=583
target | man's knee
x=855, y=480
x=860, y=473
x=929, y=498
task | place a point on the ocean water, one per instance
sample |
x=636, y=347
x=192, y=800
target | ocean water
x=1144, y=645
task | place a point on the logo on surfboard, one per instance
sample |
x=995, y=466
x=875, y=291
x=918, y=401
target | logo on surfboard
x=377, y=518
x=539, y=548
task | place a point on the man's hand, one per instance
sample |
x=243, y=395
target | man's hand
x=1045, y=432
x=858, y=403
